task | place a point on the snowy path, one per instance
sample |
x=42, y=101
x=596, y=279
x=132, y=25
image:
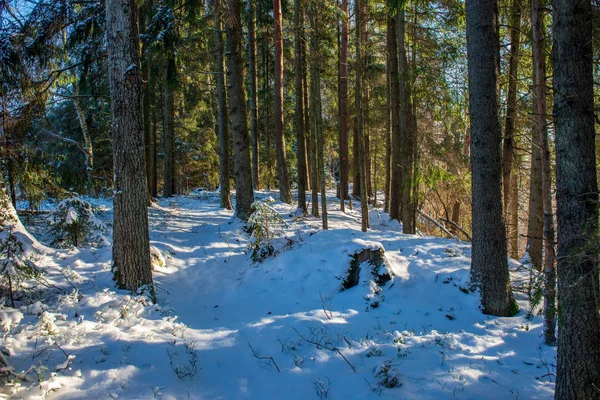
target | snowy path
x=420, y=337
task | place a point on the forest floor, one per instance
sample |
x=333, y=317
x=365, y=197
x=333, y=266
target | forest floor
x=226, y=327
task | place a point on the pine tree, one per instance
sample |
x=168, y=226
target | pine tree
x=489, y=266
x=131, y=247
x=577, y=372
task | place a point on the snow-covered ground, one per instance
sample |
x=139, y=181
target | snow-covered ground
x=228, y=328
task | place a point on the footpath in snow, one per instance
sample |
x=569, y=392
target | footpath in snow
x=226, y=327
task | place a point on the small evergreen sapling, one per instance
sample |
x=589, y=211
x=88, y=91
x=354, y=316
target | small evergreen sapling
x=264, y=224
x=15, y=266
x=73, y=223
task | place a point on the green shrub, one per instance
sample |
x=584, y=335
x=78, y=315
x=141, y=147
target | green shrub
x=73, y=223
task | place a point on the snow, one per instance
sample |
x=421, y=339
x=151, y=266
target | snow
x=228, y=328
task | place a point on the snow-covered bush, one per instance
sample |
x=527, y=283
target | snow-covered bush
x=73, y=223
x=15, y=265
x=264, y=224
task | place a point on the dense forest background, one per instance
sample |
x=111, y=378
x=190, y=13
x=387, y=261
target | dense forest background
x=377, y=100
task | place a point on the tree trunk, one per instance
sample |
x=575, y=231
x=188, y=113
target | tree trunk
x=407, y=131
x=578, y=375
x=364, y=206
x=314, y=113
x=285, y=193
x=131, y=244
x=253, y=94
x=223, y=132
x=147, y=101
x=89, y=148
x=509, y=156
x=343, y=103
x=154, y=150
x=540, y=126
x=316, y=57
x=387, y=169
x=396, y=153
x=241, y=151
x=307, y=123
x=489, y=266
x=535, y=224
x=299, y=107
x=169, y=123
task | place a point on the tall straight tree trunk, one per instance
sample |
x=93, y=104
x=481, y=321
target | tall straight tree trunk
x=535, y=223
x=131, y=242
x=489, y=266
x=541, y=127
x=355, y=160
x=285, y=193
x=242, y=170
x=407, y=131
x=316, y=57
x=154, y=150
x=314, y=113
x=169, y=117
x=253, y=94
x=577, y=372
x=147, y=101
x=364, y=206
x=387, y=165
x=396, y=153
x=299, y=107
x=306, y=100
x=267, y=115
x=343, y=103
x=509, y=149
x=224, y=142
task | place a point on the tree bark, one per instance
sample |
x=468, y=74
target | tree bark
x=299, y=106
x=343, y=103
x=147, y=101
x=364, y=206
x=578, y=375
x=396, y=153
x=131, y=244
x=285, y=193
x=535, y=223
x=314, y=112
x=541, y=127
x=169, y=116
x=253, y=94
x=241, y=151
x=489, y=266
x=407, y=131
x=223, y=132
x=509, y=156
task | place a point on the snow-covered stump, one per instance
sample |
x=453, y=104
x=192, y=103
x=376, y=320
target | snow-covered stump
x=379, y=271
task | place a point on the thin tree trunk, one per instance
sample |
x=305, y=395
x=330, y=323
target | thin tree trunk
x=299, y=107
x=388, y=129
x=364, y=206
x=407, y=131
x=147, y=102
x=285, y=193
x=306, y=102
x=540, y=126
x=253, y=94
x=343, y=90
x=396, y=152
x=131, y=243
x=241, y=167
x=577, y=372
x=509, y=149
x=314, y=113
x=154, y=151
x=535, y=223
x=169, y=123
x=223, y=132
x=89, y=148
x=489, y=266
